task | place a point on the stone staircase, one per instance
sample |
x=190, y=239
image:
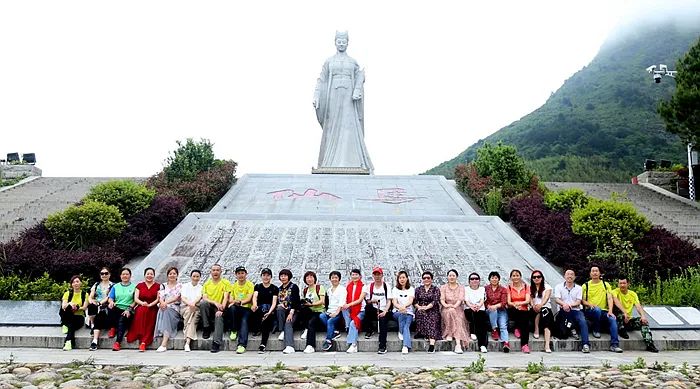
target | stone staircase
x=26, y=205
x=674, y=215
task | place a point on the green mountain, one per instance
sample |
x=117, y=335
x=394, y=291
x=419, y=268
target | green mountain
x=602, y=123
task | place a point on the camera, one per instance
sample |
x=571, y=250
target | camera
x=657, y=78
x=307, y=301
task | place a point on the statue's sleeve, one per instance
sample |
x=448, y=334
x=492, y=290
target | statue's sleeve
x=321, y=94
x=322, y=81
x=359, y=79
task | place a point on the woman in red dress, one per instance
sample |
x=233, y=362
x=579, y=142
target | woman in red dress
x=146, y=298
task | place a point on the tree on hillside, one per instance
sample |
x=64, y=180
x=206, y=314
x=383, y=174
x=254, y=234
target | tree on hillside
x=682, y=112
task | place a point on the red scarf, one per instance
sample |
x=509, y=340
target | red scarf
x=355, y=309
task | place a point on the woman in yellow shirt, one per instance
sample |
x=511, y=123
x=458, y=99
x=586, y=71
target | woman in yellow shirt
x=73, y=306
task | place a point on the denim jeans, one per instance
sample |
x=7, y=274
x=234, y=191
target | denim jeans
x=352, y=330
x=330, y=323
x=596, y=315
x=237, y=317
x=499, y=319
x=404, y=320
x=577, y=317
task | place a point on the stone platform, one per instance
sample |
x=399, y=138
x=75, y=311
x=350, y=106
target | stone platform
x=52, y=338
x=340, y=222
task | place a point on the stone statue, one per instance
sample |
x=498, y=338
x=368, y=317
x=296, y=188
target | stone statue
x=338, y=100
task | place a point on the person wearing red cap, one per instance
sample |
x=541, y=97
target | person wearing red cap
x=378, y=302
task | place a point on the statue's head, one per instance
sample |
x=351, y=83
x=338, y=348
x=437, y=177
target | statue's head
x=341, y=40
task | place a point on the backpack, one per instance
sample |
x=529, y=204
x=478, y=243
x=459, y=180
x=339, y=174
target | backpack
x=318, y=294
x=588, y=285
x=371, y=291
x=70, y=298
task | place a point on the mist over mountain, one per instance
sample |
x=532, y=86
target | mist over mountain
x=602, y=123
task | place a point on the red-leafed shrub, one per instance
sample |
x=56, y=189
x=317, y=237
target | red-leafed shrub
x=150, y=226
x=203, y=191
x=663, y=252
x=550, y=233
x=34, y=253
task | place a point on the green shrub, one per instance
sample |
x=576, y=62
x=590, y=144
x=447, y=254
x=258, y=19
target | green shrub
x=493, y=202
x=505, y=168
x=570, y=199
x=189, y=160
x=681, y=290
x=13, y=287
x=603, y=220
x=129, y=197
x=85, y=224
x=621, y=255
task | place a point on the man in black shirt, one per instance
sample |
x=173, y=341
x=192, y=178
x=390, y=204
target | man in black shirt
x=264, y=304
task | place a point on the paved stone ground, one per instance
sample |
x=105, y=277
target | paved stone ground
x=23, y=368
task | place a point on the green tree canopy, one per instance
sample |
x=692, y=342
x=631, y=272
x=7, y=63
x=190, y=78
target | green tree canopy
x=190, y=159
x=682, y=112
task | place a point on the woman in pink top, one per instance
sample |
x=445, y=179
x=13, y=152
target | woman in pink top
x=518, y=308
x=453, y=322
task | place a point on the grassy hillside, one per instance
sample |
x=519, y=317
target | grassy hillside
x=602, y=123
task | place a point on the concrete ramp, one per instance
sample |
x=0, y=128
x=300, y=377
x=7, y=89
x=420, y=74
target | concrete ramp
x=332, y=222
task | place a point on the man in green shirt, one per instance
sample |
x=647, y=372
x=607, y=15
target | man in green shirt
x=212, y=306
x=626, y=300
x=239, y=303
x=598, y=303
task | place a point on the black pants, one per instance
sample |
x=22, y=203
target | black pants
x=265, y=326
x=72, y=321
x=310, y=320
x=479, y=325
x=521, y=320
x=120, y=322
x=371, y=315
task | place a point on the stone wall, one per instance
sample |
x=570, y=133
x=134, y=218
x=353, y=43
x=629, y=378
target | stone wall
x=666, y=180
x=14, y=171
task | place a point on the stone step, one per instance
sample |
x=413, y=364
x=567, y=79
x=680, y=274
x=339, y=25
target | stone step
x=51, y=337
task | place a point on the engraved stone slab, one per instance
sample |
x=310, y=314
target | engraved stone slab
x=34, y=313
x=689, y=314
x=325, y=194
x=663, y=316
x=323, y=244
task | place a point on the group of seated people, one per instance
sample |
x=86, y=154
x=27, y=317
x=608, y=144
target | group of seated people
x=451, y=312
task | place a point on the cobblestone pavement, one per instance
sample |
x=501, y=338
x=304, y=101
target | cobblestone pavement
x=88, y=374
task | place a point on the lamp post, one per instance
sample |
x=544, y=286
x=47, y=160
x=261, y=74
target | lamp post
x=657, y=75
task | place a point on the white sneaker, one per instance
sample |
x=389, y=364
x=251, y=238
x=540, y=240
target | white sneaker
x=309, y=349
x=483, y=349
x=400, y=336
x=404, y=350
x=352, y=349
x=161, y=349
x=473, y=337
x=187, y=347
x=288, y=350
x=303, y=334
x=281, y=336
x=458, y=349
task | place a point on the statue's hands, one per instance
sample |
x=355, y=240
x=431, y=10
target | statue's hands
x=356, y=95
x=315, y=102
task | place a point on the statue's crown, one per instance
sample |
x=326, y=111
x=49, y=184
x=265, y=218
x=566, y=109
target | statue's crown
x=341, y=34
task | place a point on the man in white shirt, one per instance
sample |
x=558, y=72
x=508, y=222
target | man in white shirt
x=336, y=299
x=377, y=305
x=568, y=296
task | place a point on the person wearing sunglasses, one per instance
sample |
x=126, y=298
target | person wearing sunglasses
x=97, y=307
x=540, y=293
x=427, y=304
x=475, y=311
